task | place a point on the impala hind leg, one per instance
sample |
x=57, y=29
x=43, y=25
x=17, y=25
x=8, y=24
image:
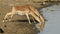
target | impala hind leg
x=28, y=18
x=5, y=18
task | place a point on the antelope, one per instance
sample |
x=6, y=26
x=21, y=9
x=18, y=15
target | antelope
x=26, y=10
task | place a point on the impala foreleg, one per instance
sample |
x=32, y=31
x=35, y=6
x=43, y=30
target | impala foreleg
x=36, y=17
x=33, y=20
x=28, y=18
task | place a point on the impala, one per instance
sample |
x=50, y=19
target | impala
x=27, y=10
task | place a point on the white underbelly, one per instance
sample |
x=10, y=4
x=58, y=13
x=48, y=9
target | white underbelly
x=20, y=13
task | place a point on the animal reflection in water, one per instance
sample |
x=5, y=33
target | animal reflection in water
x=27, y=10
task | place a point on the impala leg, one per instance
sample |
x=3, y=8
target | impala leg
x=33, y=20
x=5, y=18
x=11, y=17
x=36, y=17
x=28, y=18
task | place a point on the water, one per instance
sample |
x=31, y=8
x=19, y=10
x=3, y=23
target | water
x=52, y=14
